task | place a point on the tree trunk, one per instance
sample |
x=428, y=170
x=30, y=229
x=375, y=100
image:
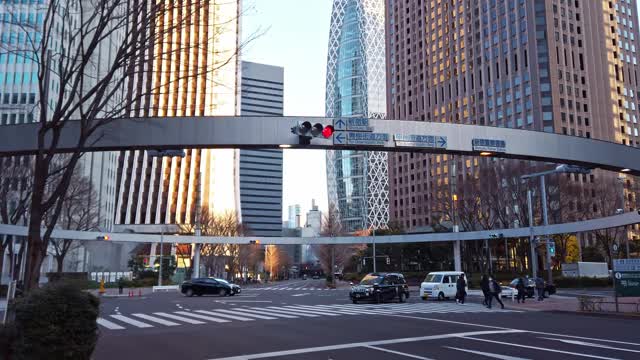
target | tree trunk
x=34, y=238
x=60, y=262
x=2, y=252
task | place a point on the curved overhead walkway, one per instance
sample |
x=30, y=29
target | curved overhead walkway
x=272, y=132
x=629, y=218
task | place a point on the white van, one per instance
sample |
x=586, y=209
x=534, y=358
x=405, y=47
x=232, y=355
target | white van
x=440, y=285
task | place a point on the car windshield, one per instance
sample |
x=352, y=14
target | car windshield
x=222, y=281
x=371, y=280
x=434, y=278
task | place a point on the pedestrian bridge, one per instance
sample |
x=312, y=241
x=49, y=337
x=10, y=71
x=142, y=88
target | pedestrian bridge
x=384, y=135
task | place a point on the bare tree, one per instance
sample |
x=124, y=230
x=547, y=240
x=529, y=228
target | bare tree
x=80, y=211
x=341, y=254
x=15, y=195
x=275, y=260
x=69, y=47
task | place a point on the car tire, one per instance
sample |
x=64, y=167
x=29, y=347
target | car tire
x=354, y=301
x=189, y=292
x=401, y=297
x=227, y=292
x=232, y=294
x=441, y=296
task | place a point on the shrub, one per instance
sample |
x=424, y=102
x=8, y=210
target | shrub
x=56, y=322
x=7, y=340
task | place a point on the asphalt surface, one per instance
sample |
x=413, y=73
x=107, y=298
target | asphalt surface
x=303, y=320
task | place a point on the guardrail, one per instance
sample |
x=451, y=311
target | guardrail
x=599, y=305
x=166, y=288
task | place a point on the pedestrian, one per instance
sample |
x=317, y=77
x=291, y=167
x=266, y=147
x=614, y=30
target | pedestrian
x=120, y=285
x=494, y=290
x=521, y=290
x=484, y=286
x=540, y=288
x=461, y=287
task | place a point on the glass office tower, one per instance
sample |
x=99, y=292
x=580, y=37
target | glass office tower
x=357, y=180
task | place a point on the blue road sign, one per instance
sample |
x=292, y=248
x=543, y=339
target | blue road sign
x=425, y=141
x=339, y=125
x=339, y=138
x=442, y=142
x=366, y=138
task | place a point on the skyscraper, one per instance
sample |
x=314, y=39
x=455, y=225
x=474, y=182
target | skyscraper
x=193, y=72
x=294, y=216
x=262, y=88
x=357, y=180
x=568, y=67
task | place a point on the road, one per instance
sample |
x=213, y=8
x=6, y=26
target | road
x=303, y=320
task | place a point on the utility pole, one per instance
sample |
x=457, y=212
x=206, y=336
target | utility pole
x=545, y=219
x=534, y=255
x=161, y=245
x=373, y=232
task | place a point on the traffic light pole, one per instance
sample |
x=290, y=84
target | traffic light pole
x=161, y=246
x=545, y=219
x=373, y=232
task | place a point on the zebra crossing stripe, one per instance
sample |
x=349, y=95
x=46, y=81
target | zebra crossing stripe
x=203, y=317
x=315, y=311
x=156, y=320
x=246, y=314
x=339, y=311
x=108, y=324
x=179, y=318
x=287, y=311
x=269, y=313
x=131, y=321
x=224, y=315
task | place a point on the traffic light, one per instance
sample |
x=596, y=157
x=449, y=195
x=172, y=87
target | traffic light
x=552, y=248
x=364, y=262
x=254, y=242
x=306, y=131
x=103, y=237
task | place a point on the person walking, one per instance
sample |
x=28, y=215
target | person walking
x=461, y=289
x=494, y=290
x=540, y=288
x=484, y=286
x=521, y=290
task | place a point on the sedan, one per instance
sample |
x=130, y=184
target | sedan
x=209, y=286
x=530, y=287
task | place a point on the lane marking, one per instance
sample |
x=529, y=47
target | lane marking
x=108, y=324
x=397, y=352
x=287, y=311
x=215, y=313
x=246, y=314
x=318, y=312
x=267, y=313
x=504, y=328
x=198, y=316
x=540, y=348
x=584, y=343
x=495, y=356
x=131, y=321
x=365, y=343
x=179, y=318
x=156, y=320
x=243, y=301
x=303, y=294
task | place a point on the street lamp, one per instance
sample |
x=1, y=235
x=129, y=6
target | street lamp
x=564, y=168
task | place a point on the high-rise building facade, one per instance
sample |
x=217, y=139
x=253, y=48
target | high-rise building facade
x=191, y=72
x=562, y=66
x=293, y=221
x=357, y=180
x=262, y=90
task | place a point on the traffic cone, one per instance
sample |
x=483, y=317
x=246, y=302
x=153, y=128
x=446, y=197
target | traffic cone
x=130, y=293
x=139, y=292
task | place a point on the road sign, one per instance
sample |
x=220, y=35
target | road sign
x=339, y=124
x=489, y=145
x=365, y=138
x=424, y=141
x=626, y=265
x=615, y=247
x=352, y=124
x=626, y=274
x=339, y=138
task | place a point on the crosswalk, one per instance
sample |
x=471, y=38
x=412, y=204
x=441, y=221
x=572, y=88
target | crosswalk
x=294, y=312
x=289, y=288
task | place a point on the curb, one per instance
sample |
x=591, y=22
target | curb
x=626, y=316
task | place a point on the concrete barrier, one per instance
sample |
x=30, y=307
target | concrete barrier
x=166, y=288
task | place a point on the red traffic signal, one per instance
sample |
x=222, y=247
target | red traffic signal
x=327, y=131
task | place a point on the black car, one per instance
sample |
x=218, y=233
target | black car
x=380, y=287
x=209, y=286
x=530, y=287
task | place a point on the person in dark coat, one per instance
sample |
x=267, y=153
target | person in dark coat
x=521, y=290
x=461, y=289
x=540, y=288
x=484, y=286
x=494, y=290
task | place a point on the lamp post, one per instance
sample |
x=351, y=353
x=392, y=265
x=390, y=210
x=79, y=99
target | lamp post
x=621, y=178
x=543, y=194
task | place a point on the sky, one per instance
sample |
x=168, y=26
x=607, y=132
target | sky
x=294, y=35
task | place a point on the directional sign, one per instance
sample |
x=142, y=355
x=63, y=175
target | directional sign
x=626, y=265
x=489, y=145
x=365, y=138
x=339, y=138
x=423, y=141
x=352, y=124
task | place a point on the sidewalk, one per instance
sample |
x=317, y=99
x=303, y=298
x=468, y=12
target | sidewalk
x=572, y=304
